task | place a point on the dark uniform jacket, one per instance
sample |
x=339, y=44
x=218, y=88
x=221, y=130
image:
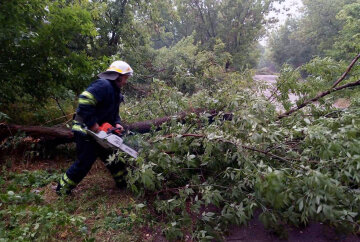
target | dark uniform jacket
x=99, y=103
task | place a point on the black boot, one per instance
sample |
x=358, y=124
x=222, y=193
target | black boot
x=62, y=190
x=121, y=184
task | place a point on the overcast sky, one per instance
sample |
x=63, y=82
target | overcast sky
x=288, y=7
x=285, y=9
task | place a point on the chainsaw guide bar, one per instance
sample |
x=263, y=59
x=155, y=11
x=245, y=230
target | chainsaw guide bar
x=112, y=141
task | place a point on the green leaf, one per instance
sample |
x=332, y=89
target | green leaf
x=301, y=205
x=319, y=209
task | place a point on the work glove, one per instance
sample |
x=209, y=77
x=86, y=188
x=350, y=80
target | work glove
x=119, y=129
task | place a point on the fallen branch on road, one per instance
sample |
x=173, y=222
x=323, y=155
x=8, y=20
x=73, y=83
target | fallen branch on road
x=347, y=71
x=323, y=94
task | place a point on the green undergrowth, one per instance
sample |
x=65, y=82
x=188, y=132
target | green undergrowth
x=25, y=215
x=30, y=210
x=28, y=111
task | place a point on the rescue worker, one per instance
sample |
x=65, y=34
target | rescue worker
x=98, y=104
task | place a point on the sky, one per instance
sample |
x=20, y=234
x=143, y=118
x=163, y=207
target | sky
x=288, y=7
x=285, y=9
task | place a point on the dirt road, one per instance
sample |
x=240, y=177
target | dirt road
x=271, y=81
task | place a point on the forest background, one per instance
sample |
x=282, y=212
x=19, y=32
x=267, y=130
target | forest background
x=198, y=55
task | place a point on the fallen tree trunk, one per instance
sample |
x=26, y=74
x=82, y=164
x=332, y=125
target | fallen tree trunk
x=53, y=135
x=35, y=131
x=62, y=134
x=145, y=126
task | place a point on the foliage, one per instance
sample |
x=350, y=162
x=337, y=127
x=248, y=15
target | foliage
x=44, y=48
x=52, y=48
x=34, y=179
x=320, y=74
x=55, y=110
x=286, y=47
x=319, y=25
x=188, y=68
x=54, y=36
x=347, y=44
x=162, y=101
x=214, y=169
x=28, y=211
x=205, y=174
x=238, y=24
x=24, y=214
x=3, y=116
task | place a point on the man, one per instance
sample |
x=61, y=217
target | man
x=98, y=104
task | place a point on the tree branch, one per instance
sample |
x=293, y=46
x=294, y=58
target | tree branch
x=347, y=71
x=323, y=94
x=58, y=103
x=233, y=143
x=64, y=135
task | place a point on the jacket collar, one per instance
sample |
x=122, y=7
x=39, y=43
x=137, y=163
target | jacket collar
x=113, y=84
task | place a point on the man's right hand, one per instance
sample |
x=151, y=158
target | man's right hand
x=119, y=129
x=95, y=128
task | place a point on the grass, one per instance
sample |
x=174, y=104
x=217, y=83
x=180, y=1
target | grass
x=96, y=211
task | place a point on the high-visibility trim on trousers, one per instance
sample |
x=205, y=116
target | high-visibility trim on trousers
x=66, y=182
x=87, y=152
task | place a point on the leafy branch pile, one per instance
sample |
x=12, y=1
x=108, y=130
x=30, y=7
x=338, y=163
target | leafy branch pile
x=204, y=174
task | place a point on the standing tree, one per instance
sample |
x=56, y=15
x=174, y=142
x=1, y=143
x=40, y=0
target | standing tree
x=44, y=48
x=323, y=23
x=348, y=42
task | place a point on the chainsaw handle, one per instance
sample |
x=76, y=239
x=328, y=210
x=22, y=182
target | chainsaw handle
x=116, y=131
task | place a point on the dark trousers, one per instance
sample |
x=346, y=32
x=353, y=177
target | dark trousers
x=87, y=152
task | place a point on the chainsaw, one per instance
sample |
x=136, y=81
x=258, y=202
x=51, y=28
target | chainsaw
x=109, y=138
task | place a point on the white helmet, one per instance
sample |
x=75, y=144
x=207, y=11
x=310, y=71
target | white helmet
x=117, y=67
